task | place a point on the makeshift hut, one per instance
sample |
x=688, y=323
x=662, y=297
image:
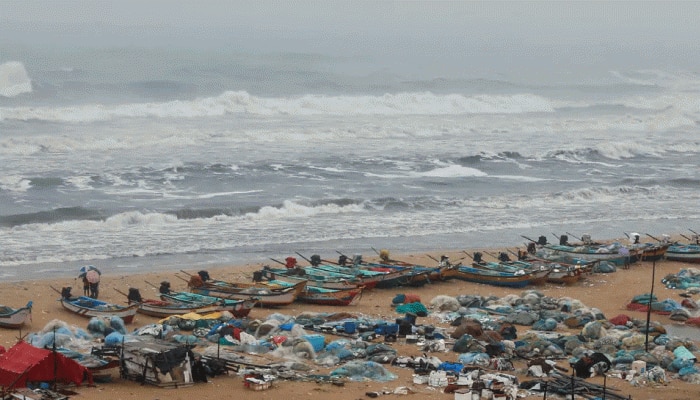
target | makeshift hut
x=157, y=363
x=25, y=363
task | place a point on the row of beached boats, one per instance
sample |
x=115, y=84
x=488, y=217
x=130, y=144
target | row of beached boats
x=617, y=252
x=342, y=282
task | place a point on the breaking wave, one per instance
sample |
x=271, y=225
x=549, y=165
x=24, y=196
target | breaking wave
x=235, y=102
x=14, y=80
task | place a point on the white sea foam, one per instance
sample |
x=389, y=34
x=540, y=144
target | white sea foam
x=451, y=171
x=14, y=80
x=417, y=103
x=14, y=183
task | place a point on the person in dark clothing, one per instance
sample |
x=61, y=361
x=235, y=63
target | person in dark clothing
x=86, y=286
x=199, y=372
x=591, y=364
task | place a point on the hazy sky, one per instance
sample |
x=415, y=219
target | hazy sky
x=572, y=33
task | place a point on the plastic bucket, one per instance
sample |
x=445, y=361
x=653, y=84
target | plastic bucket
x=350, y=327
x=317, y=341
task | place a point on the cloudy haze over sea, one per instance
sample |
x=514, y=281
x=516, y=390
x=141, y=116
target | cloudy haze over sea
x=140, y=136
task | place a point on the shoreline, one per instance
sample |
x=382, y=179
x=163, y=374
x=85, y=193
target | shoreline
x=607, y=292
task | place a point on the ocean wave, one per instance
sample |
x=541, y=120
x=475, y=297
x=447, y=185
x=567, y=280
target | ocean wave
x=52, y=216
x=14, y=80
x=288, y=209
x=240, y=102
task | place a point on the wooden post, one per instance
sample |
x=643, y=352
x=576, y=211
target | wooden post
x=651, y=295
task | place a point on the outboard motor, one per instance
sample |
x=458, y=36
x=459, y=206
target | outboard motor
x=564, y=240
x=315, y=260
x=257, y=276
x=65, y=292
x=635, y=238
x=542, y=240
x=477, y=257
x=357, y=259
x=164, y=287
x=586, y=239
x=290, y=262
x=503, y=257
x=444, y=261
x=204, y=275
x=342, y=260
x=522, y=254
x=531, y=248
x=134, y=296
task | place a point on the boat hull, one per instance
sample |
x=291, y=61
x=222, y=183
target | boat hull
x=162, y=308
x=89, y=308
x=266, y=298
x=331, y=297
x=497, y=279
x=684, y=253
x=573, y=253
x=15, y=318
x=239, y=308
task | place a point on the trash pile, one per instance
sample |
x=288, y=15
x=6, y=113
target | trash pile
x=686, y=279
x=686, y=311
x=468, y=342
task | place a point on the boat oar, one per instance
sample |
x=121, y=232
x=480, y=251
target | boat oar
x=693, y=231
x=492, y=255
x=653, y=237
x=468, y=255
x=686, y=237
x=154, y=286
x=626, y=234
x=127, y=296
x=556, y=236
x=278, y=262
x=299, y=254
x=577, y=238
x=525, y=237
x=342, y=254
x=433, y=258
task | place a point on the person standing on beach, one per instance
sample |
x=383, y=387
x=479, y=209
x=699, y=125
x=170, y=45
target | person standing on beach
x=93, y=278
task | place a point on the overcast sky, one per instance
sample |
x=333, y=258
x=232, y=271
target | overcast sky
x=566, y=32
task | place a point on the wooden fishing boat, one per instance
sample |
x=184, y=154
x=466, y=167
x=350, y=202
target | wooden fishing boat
x=419, y=276
x=15, y=317
x=652, y=251
x=563, y=272
x=295, y=275
x=165, y=308
x=497, y=278
x=609, y=253
x=266, y=297
x=238, y=307
x=331, y=297
x=219, y=286
x=325, y=296
x=517, y=267
x=382, y=278
x=684, y=252
x=89, y=307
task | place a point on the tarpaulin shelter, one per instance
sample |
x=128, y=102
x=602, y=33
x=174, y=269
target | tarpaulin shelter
x=24, y=363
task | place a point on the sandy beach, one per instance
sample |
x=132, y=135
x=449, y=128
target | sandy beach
x=608, y=292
